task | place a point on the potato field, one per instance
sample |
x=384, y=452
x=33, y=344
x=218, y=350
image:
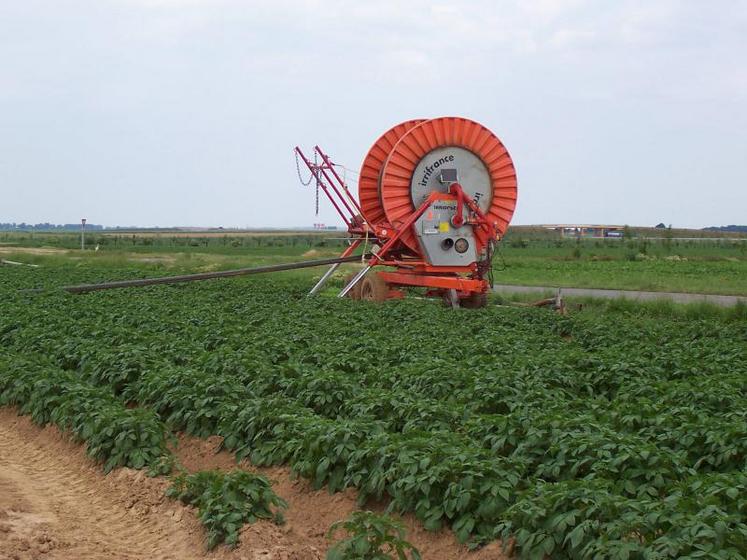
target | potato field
x=586, y=436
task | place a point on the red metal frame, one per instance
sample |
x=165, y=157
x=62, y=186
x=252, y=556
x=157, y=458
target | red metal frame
x=459, y=283
x=336, y=191
x=417, y=273
x=412, y=270
x=354, y=244
x=328, y=165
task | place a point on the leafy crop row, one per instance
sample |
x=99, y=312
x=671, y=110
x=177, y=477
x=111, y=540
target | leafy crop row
x=115, y=435
x=579, y=437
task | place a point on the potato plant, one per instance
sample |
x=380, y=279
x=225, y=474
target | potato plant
x=587, y=436
x=369, y=536
x=226, y=501
x=115, y=435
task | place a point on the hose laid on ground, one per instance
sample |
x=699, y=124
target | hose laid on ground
x=84, y=288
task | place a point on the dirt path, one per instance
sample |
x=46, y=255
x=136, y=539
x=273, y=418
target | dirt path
x=677, y=297
x=56, y=504
x=32, y=250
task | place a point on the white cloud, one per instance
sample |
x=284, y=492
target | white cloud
x=176, y=93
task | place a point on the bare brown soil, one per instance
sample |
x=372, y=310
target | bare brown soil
x=156, y=259
x=33, y=250
x=56, y=504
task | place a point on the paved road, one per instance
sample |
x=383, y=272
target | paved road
x=677, y=297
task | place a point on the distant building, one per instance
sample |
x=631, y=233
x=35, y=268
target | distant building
x=586, y=230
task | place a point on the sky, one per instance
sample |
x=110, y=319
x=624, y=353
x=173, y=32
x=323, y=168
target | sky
x=186, y=112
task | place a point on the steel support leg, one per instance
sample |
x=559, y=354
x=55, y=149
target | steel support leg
x=346, y=253
x=353, y=282
x=324, y=278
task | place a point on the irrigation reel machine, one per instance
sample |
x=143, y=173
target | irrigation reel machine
x=434, y=198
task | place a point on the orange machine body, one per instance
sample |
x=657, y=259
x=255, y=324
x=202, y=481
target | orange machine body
x=448, y=166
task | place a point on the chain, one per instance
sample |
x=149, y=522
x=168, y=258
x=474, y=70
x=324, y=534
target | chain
x=491, y=245
x=501, y=259
x=316, y=166
x=298, y=170
x=311, y=178
x=485, y=266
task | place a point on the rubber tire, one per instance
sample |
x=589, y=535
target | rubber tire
x=355, y=291
x=474, y=301
x=373, y=288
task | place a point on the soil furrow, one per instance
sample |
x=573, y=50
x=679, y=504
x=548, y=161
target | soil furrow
x=57, y=504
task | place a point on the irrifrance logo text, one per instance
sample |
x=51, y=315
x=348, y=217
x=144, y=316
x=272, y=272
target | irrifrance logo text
x=429, y=169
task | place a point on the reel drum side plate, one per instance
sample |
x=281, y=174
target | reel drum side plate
x=472, y=175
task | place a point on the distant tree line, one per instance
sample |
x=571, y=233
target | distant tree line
x=12, y=226
x=731, y=228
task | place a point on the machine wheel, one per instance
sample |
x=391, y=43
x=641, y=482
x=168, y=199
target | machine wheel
x=355, y=292
x=474, y=301
x=374, y=288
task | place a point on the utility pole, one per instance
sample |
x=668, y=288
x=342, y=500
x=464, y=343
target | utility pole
x=83, y=234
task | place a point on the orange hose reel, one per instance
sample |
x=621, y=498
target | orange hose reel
x=395, y=179
x=434, y=196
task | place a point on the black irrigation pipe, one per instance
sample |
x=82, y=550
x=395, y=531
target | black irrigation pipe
x=85, y=288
